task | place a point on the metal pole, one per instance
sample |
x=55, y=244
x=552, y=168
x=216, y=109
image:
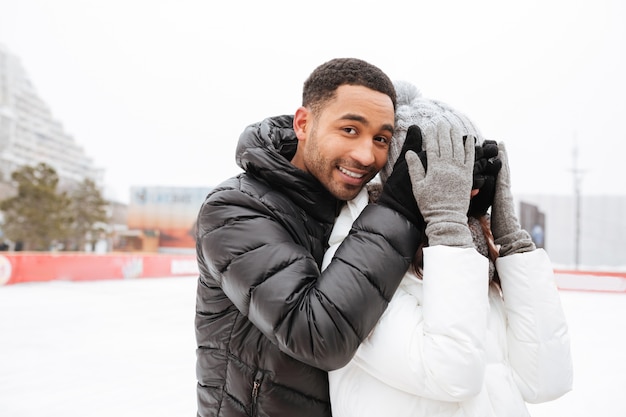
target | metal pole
x=577, y=196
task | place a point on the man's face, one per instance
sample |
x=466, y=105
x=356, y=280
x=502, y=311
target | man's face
x=346, y=145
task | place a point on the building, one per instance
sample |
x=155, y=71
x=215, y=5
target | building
x=166, y=213
x=29, y=134
x=593, y=239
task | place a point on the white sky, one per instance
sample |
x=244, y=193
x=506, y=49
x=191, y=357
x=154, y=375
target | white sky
x=157, y=92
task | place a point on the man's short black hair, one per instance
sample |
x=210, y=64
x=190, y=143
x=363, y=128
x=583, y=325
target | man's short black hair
x=323, y=82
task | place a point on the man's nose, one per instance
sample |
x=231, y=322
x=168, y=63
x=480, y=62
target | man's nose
x=363, y=153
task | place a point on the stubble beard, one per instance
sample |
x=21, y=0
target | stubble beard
x=324, y=169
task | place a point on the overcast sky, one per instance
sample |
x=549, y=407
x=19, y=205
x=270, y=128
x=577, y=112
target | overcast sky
x=157, y=92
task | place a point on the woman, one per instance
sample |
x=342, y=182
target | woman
x=464, y=335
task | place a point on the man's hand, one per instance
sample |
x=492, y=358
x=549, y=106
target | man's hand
x=397, y=192
x=486, y=168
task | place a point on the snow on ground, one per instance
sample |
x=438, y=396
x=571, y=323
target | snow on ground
x=101, y=348
x=127, y=348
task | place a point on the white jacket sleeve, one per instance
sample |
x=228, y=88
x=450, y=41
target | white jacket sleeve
x=434, y=350
x=537, y=333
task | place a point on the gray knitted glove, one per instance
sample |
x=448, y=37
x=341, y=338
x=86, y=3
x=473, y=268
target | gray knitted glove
x=443, y=191
x=505, y=226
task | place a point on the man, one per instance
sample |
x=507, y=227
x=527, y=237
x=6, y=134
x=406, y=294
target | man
x=269, y=324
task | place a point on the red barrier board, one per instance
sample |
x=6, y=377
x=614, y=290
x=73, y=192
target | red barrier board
x=603, y=281
x=18, y=267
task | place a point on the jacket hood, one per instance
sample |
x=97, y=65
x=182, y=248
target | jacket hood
x=265, y=150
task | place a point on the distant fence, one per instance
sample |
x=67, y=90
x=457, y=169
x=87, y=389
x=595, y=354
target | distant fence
x=603, y=281
x=19, y=267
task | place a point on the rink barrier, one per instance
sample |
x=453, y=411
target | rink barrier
x=21, y=267
x=580, y=280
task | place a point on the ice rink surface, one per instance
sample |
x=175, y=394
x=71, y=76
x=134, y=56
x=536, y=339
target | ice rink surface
x=127, y=348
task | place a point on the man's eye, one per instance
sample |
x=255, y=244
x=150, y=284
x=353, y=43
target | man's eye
x=350, y=130
x=382, y=139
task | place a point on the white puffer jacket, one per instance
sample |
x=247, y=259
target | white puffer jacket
x=447, y=346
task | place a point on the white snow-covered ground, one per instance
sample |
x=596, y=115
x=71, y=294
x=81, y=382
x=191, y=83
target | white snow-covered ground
x=127, y=348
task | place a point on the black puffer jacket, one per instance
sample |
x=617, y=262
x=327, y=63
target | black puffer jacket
x=268, y=323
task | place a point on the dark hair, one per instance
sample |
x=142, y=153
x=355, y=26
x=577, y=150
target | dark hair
x=325, y=79
x=492, y=249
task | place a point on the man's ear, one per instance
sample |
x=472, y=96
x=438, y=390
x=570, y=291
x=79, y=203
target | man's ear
x=301, y=122
x=474, y=192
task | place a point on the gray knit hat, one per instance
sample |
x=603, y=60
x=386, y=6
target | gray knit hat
x=414, y=109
